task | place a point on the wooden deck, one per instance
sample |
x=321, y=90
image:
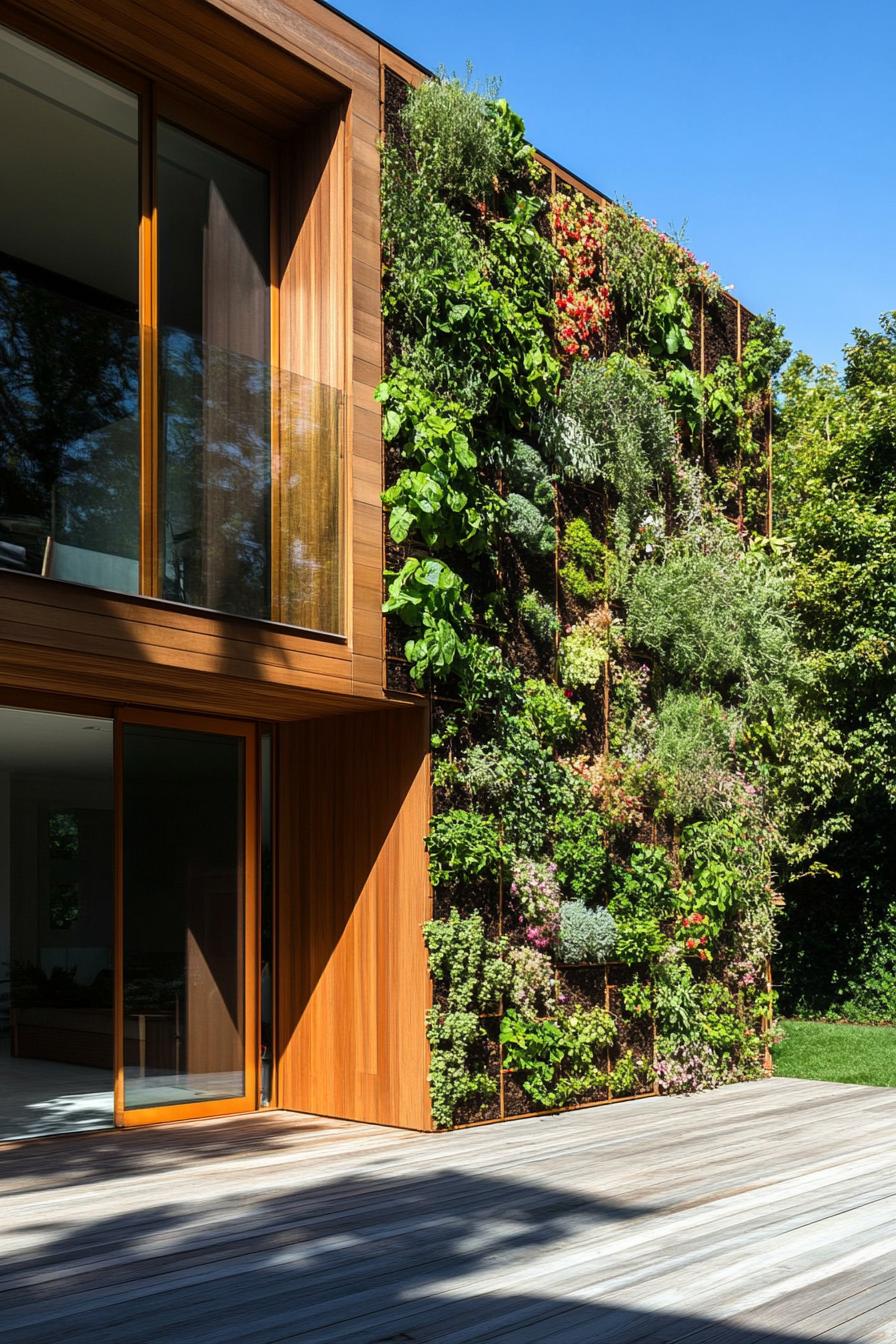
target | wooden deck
x=764, y=1212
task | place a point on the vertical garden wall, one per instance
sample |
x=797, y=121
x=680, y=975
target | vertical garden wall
x=580, y=573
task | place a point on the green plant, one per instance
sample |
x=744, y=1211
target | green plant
x=487, y=773
x=442, y=497
x=632, y=727
x=671, y=320
x=580, y=854
x=611, y=424
x=649, y=273
x=463, y=845
x=526, y=473
x=474, y=972
x=457, y=143
x=644, y=882
x=727, y=864
x=560, y=1057
x=424, y=241
x=473, y=968
x=637, y=998
x=481, y=344
x=683, y=389
x=590, y=571
x=528, y=526
x=675, y=1001
x=630, y=1075
x=717, y=616
x=639, y=937
x=693, y=753
x=583, y=655
x=539, y=617
x=586, y=933
x=431, y=599
x=556, y=720
x=453, y=1037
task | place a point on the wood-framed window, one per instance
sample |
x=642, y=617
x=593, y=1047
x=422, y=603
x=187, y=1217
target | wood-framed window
x=158, y=434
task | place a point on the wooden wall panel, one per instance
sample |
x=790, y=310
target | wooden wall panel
x=353, y=985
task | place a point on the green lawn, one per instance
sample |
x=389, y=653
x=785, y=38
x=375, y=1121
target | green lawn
x=837, y=1053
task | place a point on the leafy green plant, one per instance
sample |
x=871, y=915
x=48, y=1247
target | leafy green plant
x=452, y=1037
x=726, y=863
x=526, y=473
x=630, y=1075
x=637, y=998
x=462, y=846
x=488, y=774
x=528, y=526
x=693, y=753
x=430, y=598
x=611, y=424
x=441, y=498
x=649, y=273
x=459, y=147
x=561, y=1057
x=580, y=855
x=583, y=655
x=473, y=968
x=539, y=617
x=639, y=937
x=556, y=720
x=590, y=571
x=586, y=933
x=683, y=389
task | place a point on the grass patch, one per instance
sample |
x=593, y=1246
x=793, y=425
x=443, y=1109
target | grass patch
x=837, y=1053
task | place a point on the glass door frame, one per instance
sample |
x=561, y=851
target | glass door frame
x=163, y=1114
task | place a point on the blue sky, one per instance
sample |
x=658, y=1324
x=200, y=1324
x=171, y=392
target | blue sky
x=769, y=127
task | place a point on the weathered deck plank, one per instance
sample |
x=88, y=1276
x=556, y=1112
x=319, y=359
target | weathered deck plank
x=755, y=1214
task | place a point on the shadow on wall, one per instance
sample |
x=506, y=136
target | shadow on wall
x=373, y=1256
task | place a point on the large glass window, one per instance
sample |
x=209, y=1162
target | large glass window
x=215, y=481
x=215, y=382
x=69, y=335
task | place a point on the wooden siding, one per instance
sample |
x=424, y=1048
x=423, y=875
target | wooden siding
x=353, y=892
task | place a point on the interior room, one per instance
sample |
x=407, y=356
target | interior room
x=56, y=919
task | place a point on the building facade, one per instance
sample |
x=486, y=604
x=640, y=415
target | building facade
x=213, y=794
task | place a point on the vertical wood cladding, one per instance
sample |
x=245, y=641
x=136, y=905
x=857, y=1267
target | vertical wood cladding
x=353, y=981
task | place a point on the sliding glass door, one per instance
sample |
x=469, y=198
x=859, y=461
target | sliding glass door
x=186, y=983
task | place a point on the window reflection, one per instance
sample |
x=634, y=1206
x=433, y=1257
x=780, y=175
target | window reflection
x=69, y=337
x=215, y=382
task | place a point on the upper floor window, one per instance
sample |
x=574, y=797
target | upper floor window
x=148, y=441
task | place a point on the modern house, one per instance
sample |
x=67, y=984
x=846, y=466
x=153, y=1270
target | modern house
x=212, y=795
